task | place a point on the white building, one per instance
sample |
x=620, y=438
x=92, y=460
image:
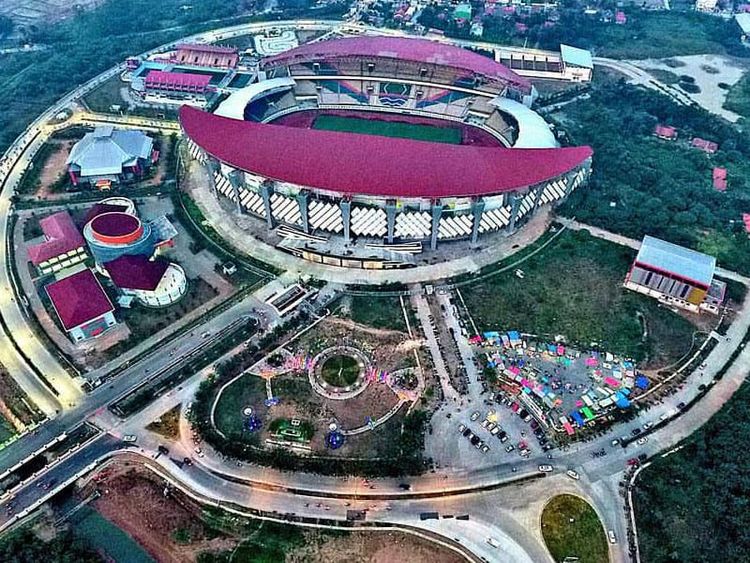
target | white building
x=153, y=283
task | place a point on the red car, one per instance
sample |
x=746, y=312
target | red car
x=632, y=461
x=514, y=407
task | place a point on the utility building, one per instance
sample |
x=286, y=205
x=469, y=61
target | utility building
x=676, y=275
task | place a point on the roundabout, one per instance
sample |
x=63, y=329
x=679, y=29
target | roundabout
x=339, y=373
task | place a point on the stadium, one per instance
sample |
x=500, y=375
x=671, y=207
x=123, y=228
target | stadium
x=368, y=146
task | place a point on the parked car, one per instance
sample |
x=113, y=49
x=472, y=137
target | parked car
x=461, y=428
x=129, y=438
x=632, y=461
x=495, y=430
x=572, y=474
x=642, y=441
x=474, y=416
x=485, y=448
x=546, y=468
x=615, y=442
x=485, y=423
x=509, y=448
x=503, y=436
x=466, y=432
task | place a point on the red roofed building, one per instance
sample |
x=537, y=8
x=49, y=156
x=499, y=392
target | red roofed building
x=720, y=179
x=154, y=283
x=207, y=55
x=82, y=306
x=746, y=221
x=620, y=18
x=666, y=132
x=160, y=80
x=64, y=245
x=709, y=147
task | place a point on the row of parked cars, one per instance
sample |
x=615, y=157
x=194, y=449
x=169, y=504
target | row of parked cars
x=475, y=440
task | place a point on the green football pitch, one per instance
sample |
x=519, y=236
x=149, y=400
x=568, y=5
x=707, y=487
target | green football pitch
x=398, y=129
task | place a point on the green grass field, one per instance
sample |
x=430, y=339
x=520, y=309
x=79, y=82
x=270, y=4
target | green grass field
x=738, y=98
x=397, y=129
x=340, y=370
x=571, y=528
x=248, y=390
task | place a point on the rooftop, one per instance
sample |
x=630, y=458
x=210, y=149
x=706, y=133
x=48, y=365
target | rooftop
x=162, y=78
x=62, y=237
x=352, y=163
x=106, y=151
x=78, y=299
x=407, y=49
x=575, y=56
x=203, y=48
x=136, y=272
x=678, y=260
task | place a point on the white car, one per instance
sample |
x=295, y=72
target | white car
x=486, y=423
x=485, y=448
x=611, y=536
x=129, y=438
x=572, y=474
x=474, y=416
x=199, y=452
x=642, y=441
x=493, y=542
x=546, y=468
x=495, y=431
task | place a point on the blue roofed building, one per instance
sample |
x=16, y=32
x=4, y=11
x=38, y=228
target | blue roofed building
x=107, y=156
x=676, y=276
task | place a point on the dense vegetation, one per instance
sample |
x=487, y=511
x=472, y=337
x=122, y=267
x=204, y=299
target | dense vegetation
x=24, y=546
x=571, y=528
x=112, y=32
x=738, y=98
x=643, y=185
x=646, y=34
x=692, y=506
x=574, y=288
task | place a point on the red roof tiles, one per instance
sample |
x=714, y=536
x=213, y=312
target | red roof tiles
x=79, y=299
x=665, y=131
x=62, y=237
x=706, y=146
x=720, y=179
x=351, y=163
x=136, y=272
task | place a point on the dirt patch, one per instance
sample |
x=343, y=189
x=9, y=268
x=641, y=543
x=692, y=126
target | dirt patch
x=166, y=526
x=168, y=424
x=376, y=547
x=54, y=168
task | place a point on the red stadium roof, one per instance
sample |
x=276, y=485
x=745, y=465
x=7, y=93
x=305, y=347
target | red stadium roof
x=415, y=50
x=352, y=163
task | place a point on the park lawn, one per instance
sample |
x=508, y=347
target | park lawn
x=574, y=288
x=247, y=391
x=145, y=321
x=378, y=312
x=398, y=129
x=340, y=370
x=738, y=97
x=106, y=95
x=583, y=538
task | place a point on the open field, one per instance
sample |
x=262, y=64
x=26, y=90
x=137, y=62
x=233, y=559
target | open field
x=397, y=129
x=174, y=529
x=378, y=312
x=571, y=528
x=574, y=288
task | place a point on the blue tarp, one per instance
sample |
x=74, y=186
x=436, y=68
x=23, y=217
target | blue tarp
x=641, y=382
x=621, y=400
x=575, y=415
x=514, y=335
